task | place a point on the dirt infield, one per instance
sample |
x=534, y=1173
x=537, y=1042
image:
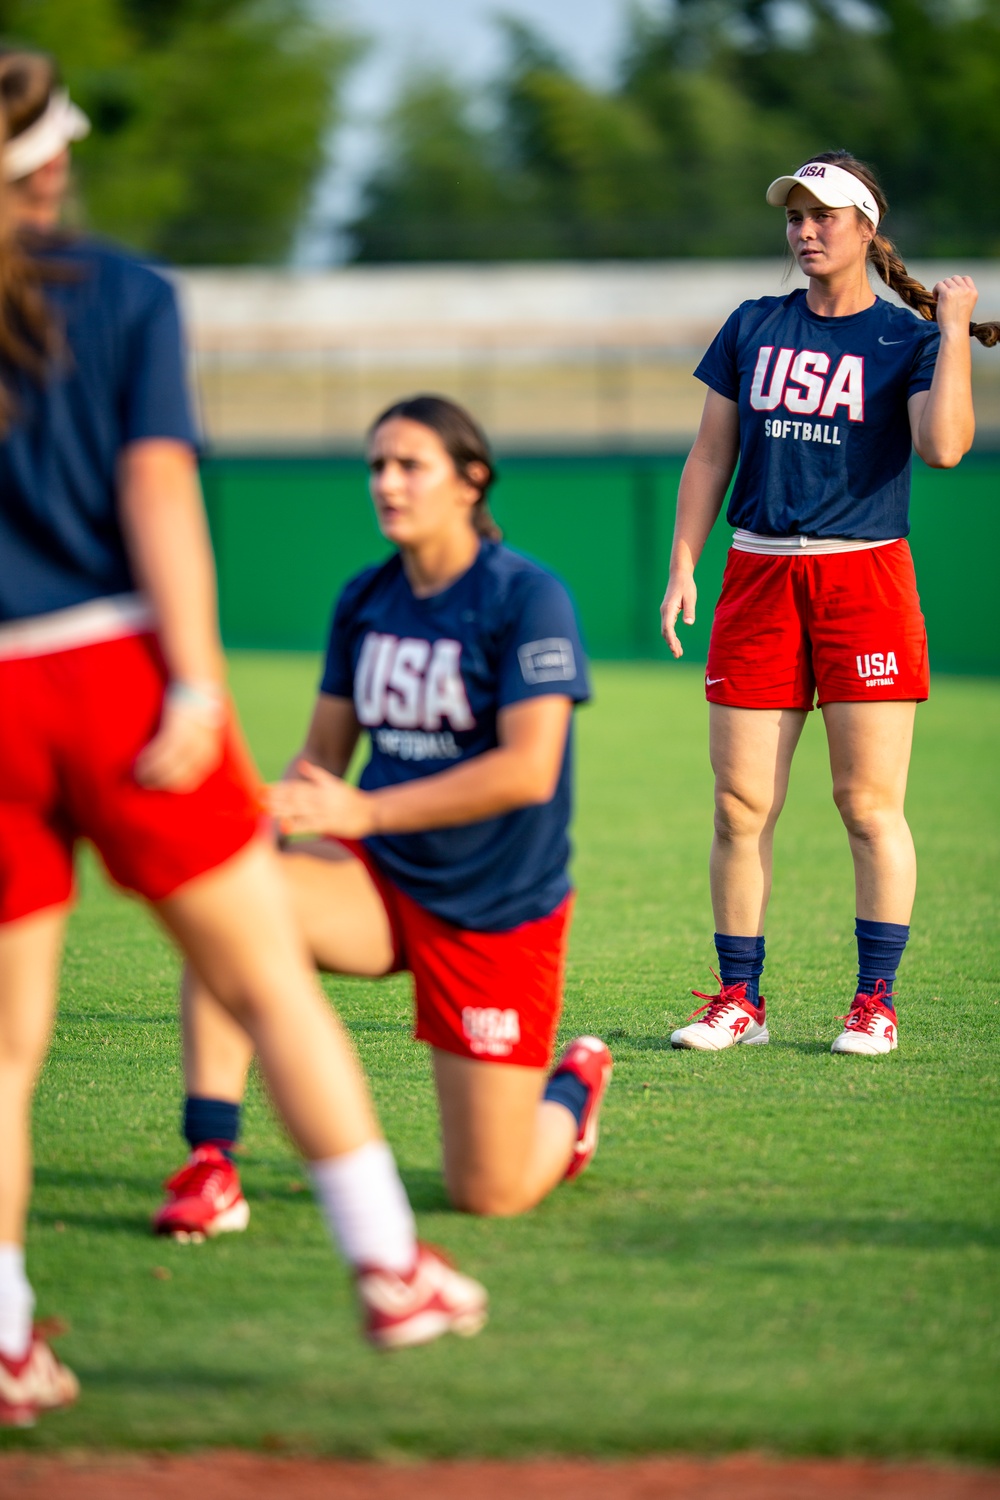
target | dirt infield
x=245, y=1476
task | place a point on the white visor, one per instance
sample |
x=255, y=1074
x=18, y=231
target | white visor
x=831, y=184
x=61, y=123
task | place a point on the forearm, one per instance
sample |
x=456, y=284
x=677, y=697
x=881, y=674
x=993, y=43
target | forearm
x=947, y=422
x=166, y=533
x=498, y=782
x=699, y=500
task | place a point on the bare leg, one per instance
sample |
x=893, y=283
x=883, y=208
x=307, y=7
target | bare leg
x=869, y=756
x=237, y=927
x=751, y=751
x=346, y=930
x=505, y=1146
x=29, y=962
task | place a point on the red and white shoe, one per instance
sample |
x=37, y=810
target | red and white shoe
x=416, y=1309
x=870, y=1028
x=588, y=1059
x=35, y=1383
x=728, y=1017
x=203, y=1199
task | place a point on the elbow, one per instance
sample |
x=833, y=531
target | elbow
x=947, y=453
x=537, y=786
x=943, y=458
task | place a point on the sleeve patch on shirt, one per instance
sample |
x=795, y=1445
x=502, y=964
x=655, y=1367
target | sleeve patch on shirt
x=551, y=660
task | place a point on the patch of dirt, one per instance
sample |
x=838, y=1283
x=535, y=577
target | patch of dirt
x=247, y=1476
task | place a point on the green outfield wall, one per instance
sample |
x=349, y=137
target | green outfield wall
x=288, y=531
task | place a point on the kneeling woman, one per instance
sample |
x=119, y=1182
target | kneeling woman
x=463, y=662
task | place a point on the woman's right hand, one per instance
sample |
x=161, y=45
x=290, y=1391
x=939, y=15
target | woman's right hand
x=679, y=600
x=186, y=749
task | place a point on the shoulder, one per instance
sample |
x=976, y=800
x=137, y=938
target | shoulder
x=517, y=580
x=905, y=324
x=115, y=265
x=370, y=581
x=747, y=320
x=125, y=288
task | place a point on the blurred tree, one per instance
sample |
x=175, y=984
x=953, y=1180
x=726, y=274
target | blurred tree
x=715, y=97
x=209, y=116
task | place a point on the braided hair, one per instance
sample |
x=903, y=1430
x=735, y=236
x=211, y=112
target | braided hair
x=887, y=260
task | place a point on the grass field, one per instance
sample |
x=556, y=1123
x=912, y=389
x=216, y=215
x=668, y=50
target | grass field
x=775, y=1248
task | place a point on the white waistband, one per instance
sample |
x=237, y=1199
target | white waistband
x=80, y=625
x=798, y=546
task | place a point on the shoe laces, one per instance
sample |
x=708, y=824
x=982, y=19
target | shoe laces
x=195, y=1178
x=867, y=1008
x=729, y=994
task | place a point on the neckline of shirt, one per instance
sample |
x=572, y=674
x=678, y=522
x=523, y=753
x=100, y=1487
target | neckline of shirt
x=427, y=601
x=838, y=321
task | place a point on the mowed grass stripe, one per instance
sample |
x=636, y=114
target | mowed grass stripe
x=775, y=1247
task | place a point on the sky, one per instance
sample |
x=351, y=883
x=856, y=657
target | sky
x=462, y=35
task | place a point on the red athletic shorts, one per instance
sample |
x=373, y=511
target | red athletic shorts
x=845, y=625
x=71, y=725
x=494, y=996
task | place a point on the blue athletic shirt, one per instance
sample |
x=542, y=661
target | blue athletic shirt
x=824, y=430
x=120, y=380
x=428, y=677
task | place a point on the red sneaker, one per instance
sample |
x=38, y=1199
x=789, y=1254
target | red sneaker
x=35, y=1383
x=589, y=1059
x=870, y=1028
x=727, y=1018
x=204, y=1199
x=415, y=1309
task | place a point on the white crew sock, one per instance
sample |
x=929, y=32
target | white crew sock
x=17, y=1303
x=366, y=1207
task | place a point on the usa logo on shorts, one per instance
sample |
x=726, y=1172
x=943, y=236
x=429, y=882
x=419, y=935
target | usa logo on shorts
x=490, y=1031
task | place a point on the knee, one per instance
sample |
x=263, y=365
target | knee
x=738, y=814
x=487, y=1200
x=866, y=816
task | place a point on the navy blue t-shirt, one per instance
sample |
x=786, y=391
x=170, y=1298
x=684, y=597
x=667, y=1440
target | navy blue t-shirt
x=121, y=379
x=824, y=430
x=428, y=677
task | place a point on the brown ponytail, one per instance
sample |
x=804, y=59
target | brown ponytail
x=463, y=440
x=29, y=335
x=886, y=258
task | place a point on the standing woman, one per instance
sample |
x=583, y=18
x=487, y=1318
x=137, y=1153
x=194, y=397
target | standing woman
x=463, y=662
x=115, y=727
x=819, y=396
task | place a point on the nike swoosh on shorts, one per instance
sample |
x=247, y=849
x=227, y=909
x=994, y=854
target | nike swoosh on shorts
x=711, y=681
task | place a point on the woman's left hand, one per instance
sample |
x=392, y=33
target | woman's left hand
x=320, y=803
x=956, y=300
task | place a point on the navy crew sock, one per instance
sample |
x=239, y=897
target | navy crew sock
x=211, y=1121
x=569, y=1091
x=880, y=948
x=741, y=961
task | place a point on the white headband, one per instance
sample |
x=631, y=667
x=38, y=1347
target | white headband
x=61, y=123
x=832, y=185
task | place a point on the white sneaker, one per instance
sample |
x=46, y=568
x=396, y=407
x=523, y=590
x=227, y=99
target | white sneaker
x=729, y=1017
x=36, y=1383
x=871, y=1026
x=433, y=1299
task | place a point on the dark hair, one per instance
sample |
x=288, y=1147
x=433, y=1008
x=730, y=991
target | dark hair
x=30, y=336
x=886, y=258
x=463, y=440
